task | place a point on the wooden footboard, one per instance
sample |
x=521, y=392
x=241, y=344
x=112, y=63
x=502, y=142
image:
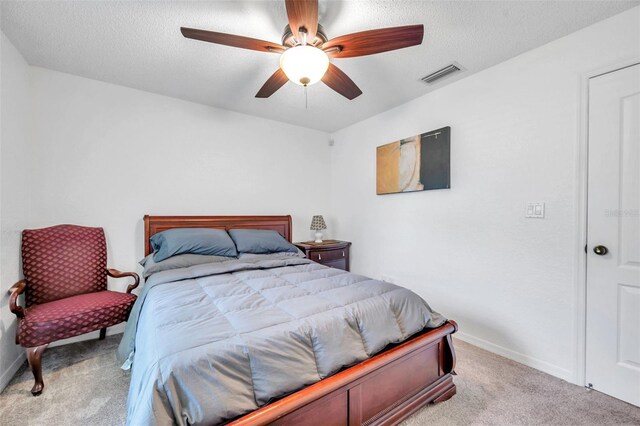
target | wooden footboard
x=382, y=390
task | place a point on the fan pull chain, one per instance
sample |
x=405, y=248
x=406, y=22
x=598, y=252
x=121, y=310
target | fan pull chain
x=306, y=98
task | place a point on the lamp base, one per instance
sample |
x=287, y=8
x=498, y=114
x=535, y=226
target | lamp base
x=318, y=237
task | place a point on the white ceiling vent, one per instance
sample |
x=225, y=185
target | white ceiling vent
x=441, y=73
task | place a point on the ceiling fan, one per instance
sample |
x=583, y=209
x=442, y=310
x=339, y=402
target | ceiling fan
x=305, y=49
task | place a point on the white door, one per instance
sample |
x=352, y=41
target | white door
x=613, y=235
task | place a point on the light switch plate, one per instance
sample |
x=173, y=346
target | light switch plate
x=534, y=210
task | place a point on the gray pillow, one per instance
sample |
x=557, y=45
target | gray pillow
x=180, y=261
x=260, y=241
x=192, y=240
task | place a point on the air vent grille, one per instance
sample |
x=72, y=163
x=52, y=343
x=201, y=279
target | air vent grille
x=449, y=69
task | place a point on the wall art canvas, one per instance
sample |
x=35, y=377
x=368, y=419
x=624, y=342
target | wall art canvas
x=418, y=163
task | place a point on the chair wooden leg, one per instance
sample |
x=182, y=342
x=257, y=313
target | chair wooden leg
x=34, y=356
x=18, y=332
x=103, y=333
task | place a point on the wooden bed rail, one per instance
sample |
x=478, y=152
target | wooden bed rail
x=339, y=399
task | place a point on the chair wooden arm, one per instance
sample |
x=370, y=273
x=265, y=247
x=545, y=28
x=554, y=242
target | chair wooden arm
x=117, y=274
x=16, y=290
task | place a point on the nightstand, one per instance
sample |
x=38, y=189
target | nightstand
x=332, y=253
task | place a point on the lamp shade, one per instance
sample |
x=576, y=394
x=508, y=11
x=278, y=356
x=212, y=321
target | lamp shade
x=304, y=65
x=317, y=223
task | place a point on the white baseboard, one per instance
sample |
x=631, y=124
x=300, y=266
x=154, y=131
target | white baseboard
x=527, y=360
x=7, y=375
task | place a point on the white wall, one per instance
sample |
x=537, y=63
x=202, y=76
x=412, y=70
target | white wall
x=105, y=155
x=15, y=208
x=508, y=281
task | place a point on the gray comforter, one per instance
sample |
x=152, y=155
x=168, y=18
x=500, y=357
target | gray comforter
x=215, y=341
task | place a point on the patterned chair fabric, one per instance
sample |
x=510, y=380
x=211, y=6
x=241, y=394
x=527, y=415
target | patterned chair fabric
x=73, y=316
x=66, y=285
x=63, y=261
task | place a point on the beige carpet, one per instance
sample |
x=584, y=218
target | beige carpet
x=84, y=386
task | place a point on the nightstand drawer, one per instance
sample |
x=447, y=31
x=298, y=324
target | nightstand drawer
x=338, y=264
x=333, y=253
x=327, y=255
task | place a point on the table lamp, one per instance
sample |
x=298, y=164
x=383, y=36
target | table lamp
x=317, y=224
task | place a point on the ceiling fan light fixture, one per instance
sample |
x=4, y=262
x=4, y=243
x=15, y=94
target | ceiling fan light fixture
x=302, y=61
x=304, y=64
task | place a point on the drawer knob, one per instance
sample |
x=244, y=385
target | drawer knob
x=319, y=256
x=342, y=253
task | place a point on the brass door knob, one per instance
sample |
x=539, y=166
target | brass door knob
x=600, y=250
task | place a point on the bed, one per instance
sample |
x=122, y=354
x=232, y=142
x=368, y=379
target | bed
x=185, y=375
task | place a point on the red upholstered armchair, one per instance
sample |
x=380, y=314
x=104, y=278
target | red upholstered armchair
x=65, y=286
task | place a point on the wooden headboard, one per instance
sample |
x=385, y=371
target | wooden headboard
x=155, y=224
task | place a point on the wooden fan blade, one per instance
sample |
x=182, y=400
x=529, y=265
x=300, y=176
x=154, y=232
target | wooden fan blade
x=341, y=83
x=374, y=41
x=303, y=14
x=276, y=81
x=232, y=40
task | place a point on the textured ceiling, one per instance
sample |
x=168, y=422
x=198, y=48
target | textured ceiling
x=139, y=45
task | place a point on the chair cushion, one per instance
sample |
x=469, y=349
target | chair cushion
x=73, y=316
x=63, y=261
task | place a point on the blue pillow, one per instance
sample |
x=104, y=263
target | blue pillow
x=260, y=241
x=192, y=240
